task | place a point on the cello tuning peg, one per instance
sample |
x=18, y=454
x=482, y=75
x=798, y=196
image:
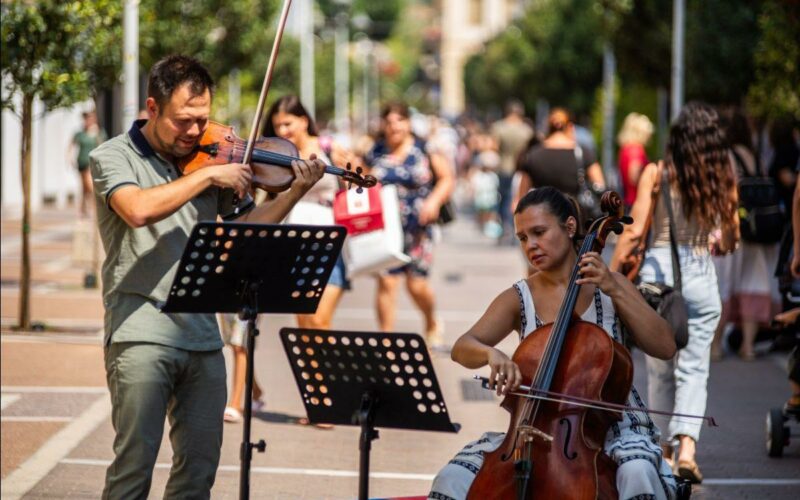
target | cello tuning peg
x=359, y=170
x=348, y=166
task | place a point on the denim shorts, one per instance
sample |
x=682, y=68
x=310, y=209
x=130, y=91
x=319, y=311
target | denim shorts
x=339, y=275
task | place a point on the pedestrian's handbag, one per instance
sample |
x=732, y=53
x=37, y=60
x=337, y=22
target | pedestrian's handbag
x=761, y=215
x=446, y=212
x=374, y=231
x=587, y=199
x=668, y=300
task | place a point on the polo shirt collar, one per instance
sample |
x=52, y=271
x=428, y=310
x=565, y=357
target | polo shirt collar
x=138, y=139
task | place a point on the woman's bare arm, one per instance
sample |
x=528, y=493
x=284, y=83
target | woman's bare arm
x=475, y=348
x=634, y=232
x=595, y=175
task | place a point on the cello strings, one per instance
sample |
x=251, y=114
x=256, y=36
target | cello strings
x=590, y=403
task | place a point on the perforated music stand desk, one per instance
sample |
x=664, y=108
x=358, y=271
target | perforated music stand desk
x=366, y=379
x=234, y=267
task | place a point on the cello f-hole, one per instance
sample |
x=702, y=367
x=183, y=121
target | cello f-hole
x=568, y=424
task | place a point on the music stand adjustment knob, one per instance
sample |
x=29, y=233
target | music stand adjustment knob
x=261, y=445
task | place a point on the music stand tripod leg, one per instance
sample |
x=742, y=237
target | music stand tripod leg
x=250, y=314
x=365, y=416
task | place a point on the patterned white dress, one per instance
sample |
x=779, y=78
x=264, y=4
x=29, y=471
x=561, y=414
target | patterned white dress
x=632, y=442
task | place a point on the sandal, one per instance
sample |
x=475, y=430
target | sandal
x=232, y=415
x=792, y=407
x=258, y=405
x=435, y=338
x=688, y=469
x=305, y=421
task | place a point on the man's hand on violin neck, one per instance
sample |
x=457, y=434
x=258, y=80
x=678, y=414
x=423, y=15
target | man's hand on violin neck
x=236, y=176
x=306, y=174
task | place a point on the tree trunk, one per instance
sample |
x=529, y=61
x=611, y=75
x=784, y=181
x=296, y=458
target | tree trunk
x=25, y=165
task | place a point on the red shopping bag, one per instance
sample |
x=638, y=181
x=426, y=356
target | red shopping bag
x=359, y=212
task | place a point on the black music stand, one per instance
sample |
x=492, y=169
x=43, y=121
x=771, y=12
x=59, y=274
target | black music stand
x=249, y=269
x=366, y=379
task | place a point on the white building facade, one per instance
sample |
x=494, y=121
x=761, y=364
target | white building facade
x=54, y=177
x=466, y=26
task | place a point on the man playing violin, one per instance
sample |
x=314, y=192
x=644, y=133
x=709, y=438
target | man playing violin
x=167, y=365
x=546, y=225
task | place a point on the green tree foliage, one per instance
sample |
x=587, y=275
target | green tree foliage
x=223, y=35
x=56, y=51
x=775, y=94
x=553, y=52
x=226, y=35
x=401, y=75
x=642, y=42
x=720, y=37
x=718, y=47
x=383, y=14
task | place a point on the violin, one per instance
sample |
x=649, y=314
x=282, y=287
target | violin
x=271, y=159
x=553, y=447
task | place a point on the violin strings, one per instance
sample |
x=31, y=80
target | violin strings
x=271, y=155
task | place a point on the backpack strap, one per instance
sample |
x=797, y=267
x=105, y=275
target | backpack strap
x=743, y=167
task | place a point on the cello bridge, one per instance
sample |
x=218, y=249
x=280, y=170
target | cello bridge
x=528, y=433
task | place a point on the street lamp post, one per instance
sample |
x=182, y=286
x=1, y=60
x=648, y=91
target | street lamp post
x=342, y=68
x=609, y=72
x=364, y=48
x=678, y=11
x=130, y=63
x=307, y=95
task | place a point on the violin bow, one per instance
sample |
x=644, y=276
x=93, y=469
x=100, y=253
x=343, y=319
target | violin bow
x=262, y=99
x=558, y=397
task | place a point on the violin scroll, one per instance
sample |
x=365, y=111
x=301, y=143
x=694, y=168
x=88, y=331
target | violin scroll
x=358, y=178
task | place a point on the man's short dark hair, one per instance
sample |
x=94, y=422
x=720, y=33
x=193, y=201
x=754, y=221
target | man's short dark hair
x=174, y=71
x=515, y=107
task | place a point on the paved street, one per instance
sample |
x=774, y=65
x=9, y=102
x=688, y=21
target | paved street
x=57, y=435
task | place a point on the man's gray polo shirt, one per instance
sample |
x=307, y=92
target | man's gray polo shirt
x=141, y=262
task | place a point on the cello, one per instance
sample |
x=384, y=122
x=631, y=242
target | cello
x=553, y=447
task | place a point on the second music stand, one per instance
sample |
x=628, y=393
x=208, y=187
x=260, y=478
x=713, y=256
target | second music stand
x=366, y=379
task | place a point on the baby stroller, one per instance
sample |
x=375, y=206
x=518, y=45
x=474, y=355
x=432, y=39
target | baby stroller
x=781, y=420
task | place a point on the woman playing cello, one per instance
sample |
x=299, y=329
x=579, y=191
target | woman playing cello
x=546, y=226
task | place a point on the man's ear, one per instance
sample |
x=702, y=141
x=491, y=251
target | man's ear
x=152, y=107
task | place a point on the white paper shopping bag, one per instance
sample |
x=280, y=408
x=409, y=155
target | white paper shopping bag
x=375, y=232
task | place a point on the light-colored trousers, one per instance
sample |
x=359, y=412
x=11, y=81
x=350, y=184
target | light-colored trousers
x=680, y=384
x=149, y=382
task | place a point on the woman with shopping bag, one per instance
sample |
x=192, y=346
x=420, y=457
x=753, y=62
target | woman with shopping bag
x=288, y=119
x=400, y=159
